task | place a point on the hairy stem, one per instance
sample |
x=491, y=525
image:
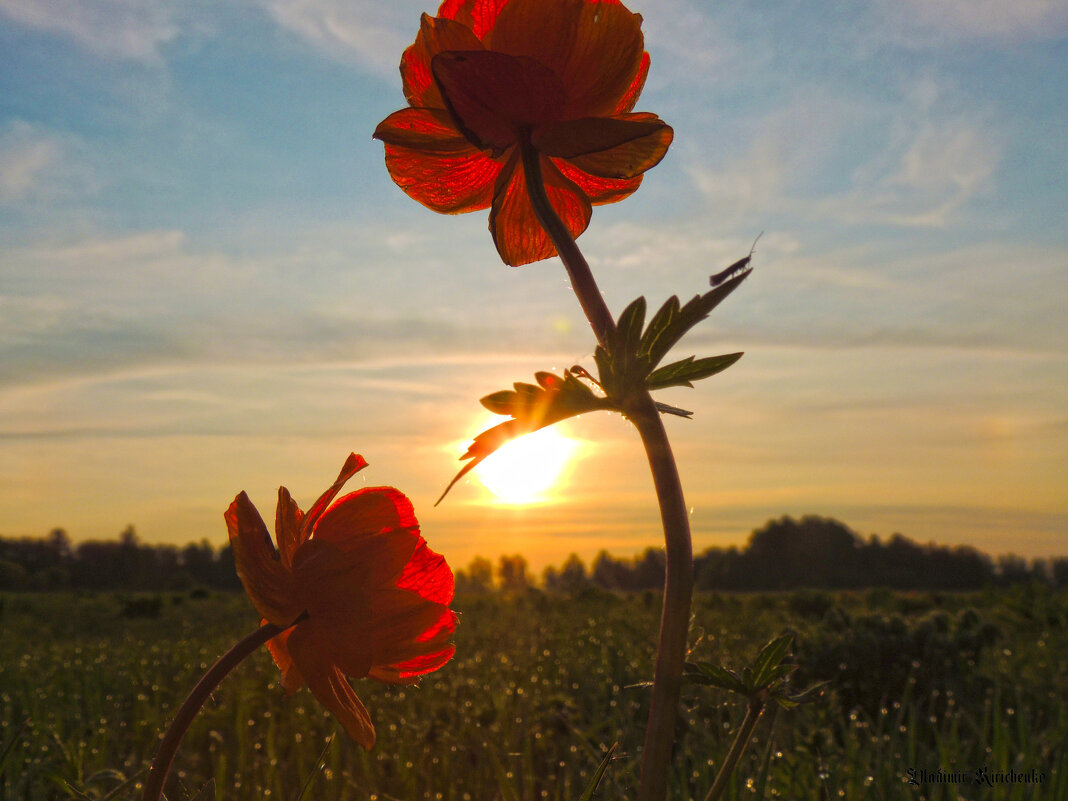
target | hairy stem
x=589, y=296
x=168, y=747
x=678, y=579
x=741, y=740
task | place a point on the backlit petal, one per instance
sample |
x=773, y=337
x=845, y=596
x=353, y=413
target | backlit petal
x=279, y=648
x=353, y=465
x=516, y=231
x=330, y=687
x=599, y=190
x=608, y=147
x=267, y=583
x=595, y=48
x=434, y=163
x=366, y=511
x=404, y=626
x=351, y=566
x=428, y=575
x=493, y=96
x=478, y=15
x=435, y=36
x=287, y=529
x=408, y=672
x=630, y=97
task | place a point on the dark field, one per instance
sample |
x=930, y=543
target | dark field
x=540, y=687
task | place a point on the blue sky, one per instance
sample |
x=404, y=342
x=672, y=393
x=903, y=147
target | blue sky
x=209, y=283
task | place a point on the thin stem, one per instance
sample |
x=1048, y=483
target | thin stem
x=678, y=573
x=741, y=740
x=168, y=747
x=582, y=281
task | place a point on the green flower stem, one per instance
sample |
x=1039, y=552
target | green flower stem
x=168, y=747
x=678, y=579
x=741, y=740
x=582, y=281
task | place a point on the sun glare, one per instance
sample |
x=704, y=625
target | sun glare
x=524, y=470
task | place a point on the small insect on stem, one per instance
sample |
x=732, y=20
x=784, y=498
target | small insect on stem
x=722, y=277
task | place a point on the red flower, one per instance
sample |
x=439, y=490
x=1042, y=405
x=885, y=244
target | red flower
x=487, y=78
x=371, y=597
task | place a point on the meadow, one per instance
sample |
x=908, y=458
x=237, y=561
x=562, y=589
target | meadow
x=541, y=686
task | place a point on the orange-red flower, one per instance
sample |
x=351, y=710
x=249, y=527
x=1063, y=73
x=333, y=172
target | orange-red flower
x=486, y=78
x=375, y=597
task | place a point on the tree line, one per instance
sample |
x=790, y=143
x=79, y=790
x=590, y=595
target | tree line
x=784, y=554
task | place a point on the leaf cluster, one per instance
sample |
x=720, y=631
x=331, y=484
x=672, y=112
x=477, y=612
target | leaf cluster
x=626, y=364
x=766, y=679
x=632, y=357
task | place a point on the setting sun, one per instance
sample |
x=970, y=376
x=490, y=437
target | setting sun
x=525, y=469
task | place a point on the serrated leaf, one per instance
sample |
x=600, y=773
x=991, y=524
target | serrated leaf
x=629, y=326
x=684, y=373
x=714, y=676
x=768, y=658
x=806, y=696
x=695, y=310
x=531, y=407
x=660, y=323
x=591, y=786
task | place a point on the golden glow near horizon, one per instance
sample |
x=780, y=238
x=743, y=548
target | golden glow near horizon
x=526, y=469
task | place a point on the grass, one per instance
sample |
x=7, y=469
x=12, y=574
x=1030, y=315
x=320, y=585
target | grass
x=540, y=688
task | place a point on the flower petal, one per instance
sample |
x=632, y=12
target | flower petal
x=428, y=575
x=478, y=15
x=267, y=583
x=436, y=35
x=516, y=231
x=595, y=48
x=367, y=511
x=287, y=528
x=434, y=163
x=279, y=648
x=599, y=190
x=353, y=465
x=403, y=626
x=493, y=96
x=630, y=97
x=408, y=672
x=330, y=687
x=608, y=147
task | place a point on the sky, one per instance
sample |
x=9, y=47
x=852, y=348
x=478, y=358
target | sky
x=209, y=283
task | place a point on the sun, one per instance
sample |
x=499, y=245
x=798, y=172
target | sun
x=524, y=470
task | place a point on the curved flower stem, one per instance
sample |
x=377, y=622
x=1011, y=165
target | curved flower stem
x=678, y=579
x=168, y=747
x=741, y=740
x=589, y=296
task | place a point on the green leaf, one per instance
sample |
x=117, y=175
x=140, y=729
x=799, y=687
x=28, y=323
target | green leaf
x=695, y=310
x=767, y=660
x=629, y=326
x=531, y=407
x=714, y=676
x=683, y=373
x=806, y=696
x=658, y=326
x=598, y=774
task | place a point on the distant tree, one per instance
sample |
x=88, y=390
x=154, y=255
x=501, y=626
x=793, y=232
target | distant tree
x=573, y=574
x=610, y=573
x=512, y=573
x=648, y=572
x=477, y=578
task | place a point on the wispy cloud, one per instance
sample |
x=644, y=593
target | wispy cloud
x=124, y=29
x=367, y=33
x=39, y=166
x=930, y=23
